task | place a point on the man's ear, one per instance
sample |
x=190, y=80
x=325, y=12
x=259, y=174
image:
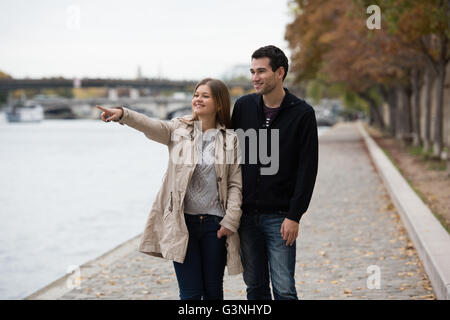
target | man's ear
x=281, y=72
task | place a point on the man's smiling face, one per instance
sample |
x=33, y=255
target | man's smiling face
x=263, y=78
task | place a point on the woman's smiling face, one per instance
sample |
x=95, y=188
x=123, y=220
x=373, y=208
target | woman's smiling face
x=202, y=102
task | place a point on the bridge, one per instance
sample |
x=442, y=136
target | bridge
x=63, y=108
x=155, y=84
x=155, y=105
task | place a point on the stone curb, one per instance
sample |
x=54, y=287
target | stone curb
x=59, y=287
x=430, y=239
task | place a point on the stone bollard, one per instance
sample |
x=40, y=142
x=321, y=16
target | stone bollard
x=448, y=166
x=446, y=157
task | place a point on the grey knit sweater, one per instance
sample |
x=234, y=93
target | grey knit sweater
x=202, y=196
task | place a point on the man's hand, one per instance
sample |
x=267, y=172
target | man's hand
x=289, y=231
x=224, y=232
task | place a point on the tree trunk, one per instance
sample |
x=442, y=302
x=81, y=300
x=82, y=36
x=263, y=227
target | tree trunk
x=408, y=126
x=415, y=81
x=374, y=111
x=438, y=118
x=393, y=110
x=398, y=117
x=389, y=96
x=371, y=115
x=427, y=110
x=404, y=114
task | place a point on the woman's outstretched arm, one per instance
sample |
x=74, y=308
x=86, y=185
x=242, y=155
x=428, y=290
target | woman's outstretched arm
x=154, y=129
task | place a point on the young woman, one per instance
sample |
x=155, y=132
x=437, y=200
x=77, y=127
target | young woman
x=196, y=214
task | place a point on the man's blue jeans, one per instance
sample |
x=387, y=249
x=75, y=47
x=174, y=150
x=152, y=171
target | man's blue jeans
x=201, y=274
x=263, y=249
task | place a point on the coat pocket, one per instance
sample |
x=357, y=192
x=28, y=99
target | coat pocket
x=169, y=207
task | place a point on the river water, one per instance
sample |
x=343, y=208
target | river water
x=70, y=190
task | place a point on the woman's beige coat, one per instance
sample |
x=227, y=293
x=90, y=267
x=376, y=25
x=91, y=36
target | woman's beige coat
x=165, y=233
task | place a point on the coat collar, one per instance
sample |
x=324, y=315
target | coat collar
x=189, y=120
x=287, y=99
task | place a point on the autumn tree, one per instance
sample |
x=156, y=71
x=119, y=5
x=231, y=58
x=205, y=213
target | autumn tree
x=344, y=50
x=4, y=95
x=312, y=21
x=424, y=26
x=330, y=42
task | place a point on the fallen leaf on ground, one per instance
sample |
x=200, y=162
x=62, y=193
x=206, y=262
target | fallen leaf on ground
x=322, y=253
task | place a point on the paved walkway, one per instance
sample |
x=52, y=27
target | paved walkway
x=351, y=244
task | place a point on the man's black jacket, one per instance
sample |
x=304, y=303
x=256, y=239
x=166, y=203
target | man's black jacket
x=289, y=191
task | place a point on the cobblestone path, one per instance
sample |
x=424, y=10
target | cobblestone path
x=351, y=245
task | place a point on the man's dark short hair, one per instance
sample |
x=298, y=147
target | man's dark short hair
x=276, y=56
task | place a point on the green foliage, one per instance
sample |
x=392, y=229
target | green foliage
x=62, y=92
x=3, y=97
x=353, y=102
x=4, y=75
x=314, y=90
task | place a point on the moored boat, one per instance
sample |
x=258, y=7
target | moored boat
x=28, y=111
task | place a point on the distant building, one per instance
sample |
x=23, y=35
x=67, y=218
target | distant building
x=238, y=71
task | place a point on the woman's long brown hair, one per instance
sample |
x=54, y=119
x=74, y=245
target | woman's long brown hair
x=221, y=97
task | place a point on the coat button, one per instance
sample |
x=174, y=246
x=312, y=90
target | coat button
x=219, y=179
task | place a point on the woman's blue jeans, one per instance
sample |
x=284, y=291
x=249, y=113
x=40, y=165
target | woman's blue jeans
x=263, y=249
x=200, y=276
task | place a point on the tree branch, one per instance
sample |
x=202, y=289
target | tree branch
x=428, y=57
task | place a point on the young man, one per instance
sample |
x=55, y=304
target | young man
x=274, y=203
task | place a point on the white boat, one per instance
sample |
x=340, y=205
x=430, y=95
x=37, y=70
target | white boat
x=25, y=112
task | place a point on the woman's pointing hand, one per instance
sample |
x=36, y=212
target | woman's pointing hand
x=110, y=114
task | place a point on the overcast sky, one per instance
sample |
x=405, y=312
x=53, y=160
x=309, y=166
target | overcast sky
x=178, y=39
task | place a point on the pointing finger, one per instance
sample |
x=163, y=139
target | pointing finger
x=101, y=108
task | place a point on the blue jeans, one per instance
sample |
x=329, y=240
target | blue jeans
x=263, y=249
x=201, y=273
